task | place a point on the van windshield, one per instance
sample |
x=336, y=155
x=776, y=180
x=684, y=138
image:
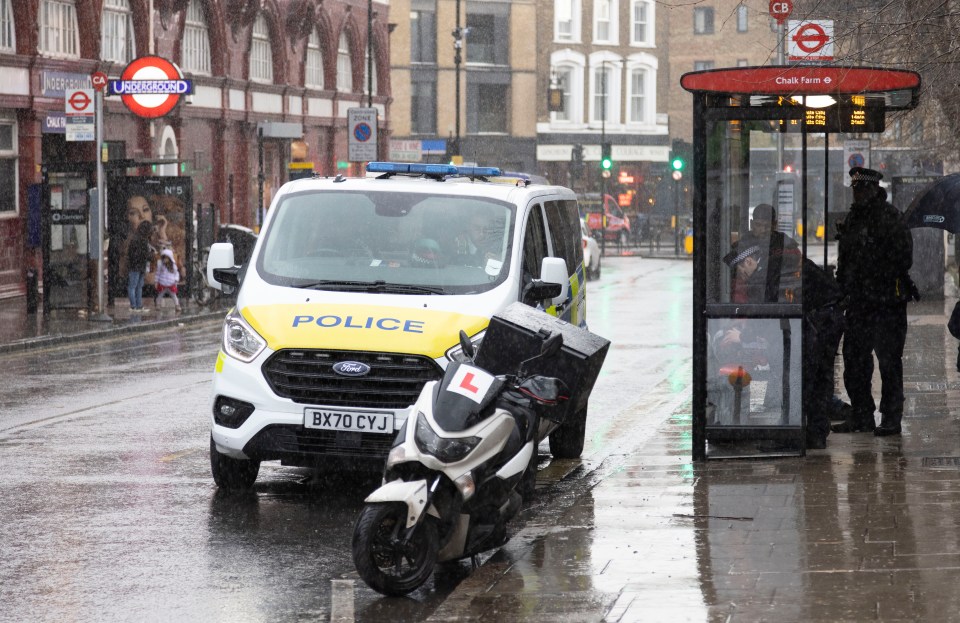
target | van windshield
x=383, y=241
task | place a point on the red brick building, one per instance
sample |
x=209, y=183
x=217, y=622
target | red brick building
x=293, y=67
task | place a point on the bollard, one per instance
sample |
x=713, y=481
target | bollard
x=32, y=291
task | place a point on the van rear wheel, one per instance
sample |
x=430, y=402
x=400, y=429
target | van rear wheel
x=567, y=441
x=232, y=474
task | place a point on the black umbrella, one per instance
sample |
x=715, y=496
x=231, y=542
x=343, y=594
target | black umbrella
x=937, y=205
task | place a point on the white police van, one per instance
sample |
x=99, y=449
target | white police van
x=354, y=297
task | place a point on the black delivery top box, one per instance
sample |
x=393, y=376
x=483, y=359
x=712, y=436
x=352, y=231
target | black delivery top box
x=517, y=333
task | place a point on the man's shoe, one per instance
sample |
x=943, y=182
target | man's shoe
x=885, y=430
x=853, y=427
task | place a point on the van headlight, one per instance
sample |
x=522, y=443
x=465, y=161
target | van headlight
x=240, y=341
x=456, y=353
x=447, y=450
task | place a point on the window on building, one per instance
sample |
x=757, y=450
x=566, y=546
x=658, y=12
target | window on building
x=8, y=167
x=261, y=52
x=195, y=47
x=604, y=27
x=566, y=16
x=741, y=18
x=488, y=40
x=313, y=74
x=423, y=107
x=602, y=95
x=703, y=65
x=493, y=107
x=703, y=20
x=742, y=62
x=116, y=41
x=373, y=72
x=58, y=29
x=638, y=96
x=641, y=22
x=423, y=32
x=8, y=42
x=344, y=65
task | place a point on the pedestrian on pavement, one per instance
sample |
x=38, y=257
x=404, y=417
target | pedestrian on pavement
x=953, y=325
x=822, y=329
x=139, y=258
x=875, y=251
x=168, y=276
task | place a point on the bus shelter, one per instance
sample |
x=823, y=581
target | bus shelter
x=753, y=130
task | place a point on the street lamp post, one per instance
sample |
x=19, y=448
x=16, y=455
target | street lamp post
x=458, y=35
x=603, y=172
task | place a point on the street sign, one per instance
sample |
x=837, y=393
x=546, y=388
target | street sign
x=810, y=40
x=780, y=10
x=856, y=153
x=150, y=86
x=362, y=137
x=80, y=115
x=99, y=80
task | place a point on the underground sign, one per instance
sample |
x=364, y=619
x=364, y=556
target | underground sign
x=150, y=86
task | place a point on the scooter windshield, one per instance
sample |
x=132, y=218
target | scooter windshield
x=464, y=397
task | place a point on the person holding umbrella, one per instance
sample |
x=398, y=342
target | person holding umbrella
x=875, y=251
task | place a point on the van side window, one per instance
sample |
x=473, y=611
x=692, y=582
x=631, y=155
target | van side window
x=534, y=244
x=572, y=213
x=559, y=234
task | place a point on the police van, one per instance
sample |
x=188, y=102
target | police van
x=354, y=298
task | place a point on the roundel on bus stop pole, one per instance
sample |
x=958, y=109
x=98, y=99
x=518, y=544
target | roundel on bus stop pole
x=150, y=86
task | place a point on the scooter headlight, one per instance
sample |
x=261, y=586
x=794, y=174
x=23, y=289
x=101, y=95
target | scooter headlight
x=447, y=450
x=240, y=341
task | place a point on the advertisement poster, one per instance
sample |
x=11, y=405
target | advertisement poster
x=167, y=203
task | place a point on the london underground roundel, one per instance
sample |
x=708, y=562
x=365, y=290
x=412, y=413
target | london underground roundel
x=150, y=86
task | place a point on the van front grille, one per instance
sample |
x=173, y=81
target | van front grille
x=307, y=376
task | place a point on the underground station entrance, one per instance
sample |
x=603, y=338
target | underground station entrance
x=756, y=136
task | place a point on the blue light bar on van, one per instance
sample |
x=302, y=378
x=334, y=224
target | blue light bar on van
x=478, y=171
x=411, y=167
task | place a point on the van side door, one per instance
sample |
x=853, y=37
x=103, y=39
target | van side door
x=563, y=223
x=534, y=248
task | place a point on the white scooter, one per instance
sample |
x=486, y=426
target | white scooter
x=458, y=470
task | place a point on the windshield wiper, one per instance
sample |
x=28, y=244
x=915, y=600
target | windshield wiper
x=371, y=286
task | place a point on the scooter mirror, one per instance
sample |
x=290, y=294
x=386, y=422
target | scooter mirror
x=552, y=345
x=466, y=345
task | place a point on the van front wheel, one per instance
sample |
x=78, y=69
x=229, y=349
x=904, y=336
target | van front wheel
x=232, y=474
x=567, y=441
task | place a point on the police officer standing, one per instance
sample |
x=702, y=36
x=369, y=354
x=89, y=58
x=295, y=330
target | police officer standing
x=875, y=253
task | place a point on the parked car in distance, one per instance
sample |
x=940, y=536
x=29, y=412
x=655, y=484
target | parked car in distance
x=591, y=252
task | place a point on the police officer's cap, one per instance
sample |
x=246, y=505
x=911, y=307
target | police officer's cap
x=861, y=174
x=739, y=254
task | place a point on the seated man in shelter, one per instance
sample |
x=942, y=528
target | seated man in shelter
x=779, y=254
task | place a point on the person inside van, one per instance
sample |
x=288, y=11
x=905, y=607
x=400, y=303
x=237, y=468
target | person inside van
x=477, y=243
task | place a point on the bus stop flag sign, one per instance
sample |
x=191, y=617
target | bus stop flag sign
x=810, y=40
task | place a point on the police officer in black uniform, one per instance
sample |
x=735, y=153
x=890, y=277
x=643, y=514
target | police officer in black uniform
x=875, y=253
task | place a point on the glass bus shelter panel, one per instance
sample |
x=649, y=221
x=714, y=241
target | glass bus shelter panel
x=753, y=373
x=740, y=175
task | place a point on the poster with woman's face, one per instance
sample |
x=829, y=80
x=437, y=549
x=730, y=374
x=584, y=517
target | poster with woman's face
x=166, y=202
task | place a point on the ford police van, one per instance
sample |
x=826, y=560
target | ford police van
x=354, y=297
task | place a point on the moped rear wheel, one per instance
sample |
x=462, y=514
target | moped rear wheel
x=387, y=561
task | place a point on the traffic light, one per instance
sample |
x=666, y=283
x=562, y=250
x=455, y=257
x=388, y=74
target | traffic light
x=677, y=163
x=577, y=155
x=606, y=160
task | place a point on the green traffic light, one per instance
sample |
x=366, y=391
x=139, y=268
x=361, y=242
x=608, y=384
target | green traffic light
x=677, y=164
x=606, y=163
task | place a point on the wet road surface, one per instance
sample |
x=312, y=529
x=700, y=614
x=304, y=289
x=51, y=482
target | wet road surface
x=111, y=513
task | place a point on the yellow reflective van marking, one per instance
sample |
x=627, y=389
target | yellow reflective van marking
x=218, y=367
x=361, y=327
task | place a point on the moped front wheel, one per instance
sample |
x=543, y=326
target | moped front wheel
x=386, y=559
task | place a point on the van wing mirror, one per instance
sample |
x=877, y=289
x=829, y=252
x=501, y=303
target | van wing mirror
x=554, y=270
x=219, y=263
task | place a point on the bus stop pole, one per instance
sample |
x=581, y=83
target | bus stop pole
x=101, y=313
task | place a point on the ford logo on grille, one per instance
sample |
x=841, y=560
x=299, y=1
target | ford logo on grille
x=351, y=368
